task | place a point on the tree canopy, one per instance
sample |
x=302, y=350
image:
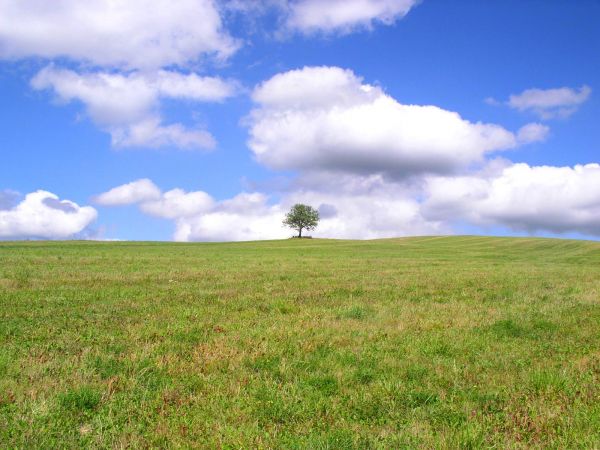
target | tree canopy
x=302, y=217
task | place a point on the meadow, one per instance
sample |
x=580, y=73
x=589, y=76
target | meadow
x=431, y=342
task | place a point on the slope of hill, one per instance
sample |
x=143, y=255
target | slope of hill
x=430, y=341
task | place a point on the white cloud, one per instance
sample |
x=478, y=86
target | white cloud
x=177, y=203
x=352, y=207
x=344, y=16
x=142, y=190
x=325, y=118
x=121, y=47
x=521, y=197
x=131, y=41
x=517, y=196
x=550, y=103
x=365, y=208
x=43, y=215
x=532, y=132
x=196, y=214
x=129, y=34
x=150, y=133
x=249, y=216
x=170, y=205
x=323, y=17
x=354, y=148
x=127, y=106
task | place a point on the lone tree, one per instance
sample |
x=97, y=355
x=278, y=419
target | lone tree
x=302, y=217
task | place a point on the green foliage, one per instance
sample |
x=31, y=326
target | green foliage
x=302, y=217
x=433, y=342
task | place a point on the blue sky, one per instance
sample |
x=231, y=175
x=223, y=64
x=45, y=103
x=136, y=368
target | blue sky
x=249, y=107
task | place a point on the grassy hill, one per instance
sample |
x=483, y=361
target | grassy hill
x=422, y=342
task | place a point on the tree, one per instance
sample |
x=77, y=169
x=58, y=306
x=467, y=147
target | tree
x=302, y=217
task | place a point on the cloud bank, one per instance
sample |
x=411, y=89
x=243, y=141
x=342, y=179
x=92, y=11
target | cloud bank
x=170, y=205
x=518, y=197
x=132, y=35
x=377, y=168
x=128, y=57
x=521, y=198
x=326, y=118
x=127, y=106
x=368, y=208
x=120, y=52
x=42, y=215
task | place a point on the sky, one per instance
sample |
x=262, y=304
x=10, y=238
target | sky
x=206, y=120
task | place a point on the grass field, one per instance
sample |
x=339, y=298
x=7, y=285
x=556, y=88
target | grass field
x=437, y=342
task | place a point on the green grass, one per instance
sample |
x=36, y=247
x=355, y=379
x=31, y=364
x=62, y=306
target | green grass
x=436, y=342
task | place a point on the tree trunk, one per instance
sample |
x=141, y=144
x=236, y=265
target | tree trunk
x=300, y=232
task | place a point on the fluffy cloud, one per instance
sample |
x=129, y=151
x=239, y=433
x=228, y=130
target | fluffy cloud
x=43, y=215
x=355, y=207
x=376, y=214
x=344, y=16
x=124, y=46
x=532, y=132
x=135, y=192
x=550, y=103
x=177, y=203
x=353, y=148
x=196, y=214
x=127, y=106
x=132, y=34
x=521, y=197
x=172, y=204
x=517, y=196
x=248, y=216
x=132, y=40
x=328, y=17
x=326, y=118
x=139, y=34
